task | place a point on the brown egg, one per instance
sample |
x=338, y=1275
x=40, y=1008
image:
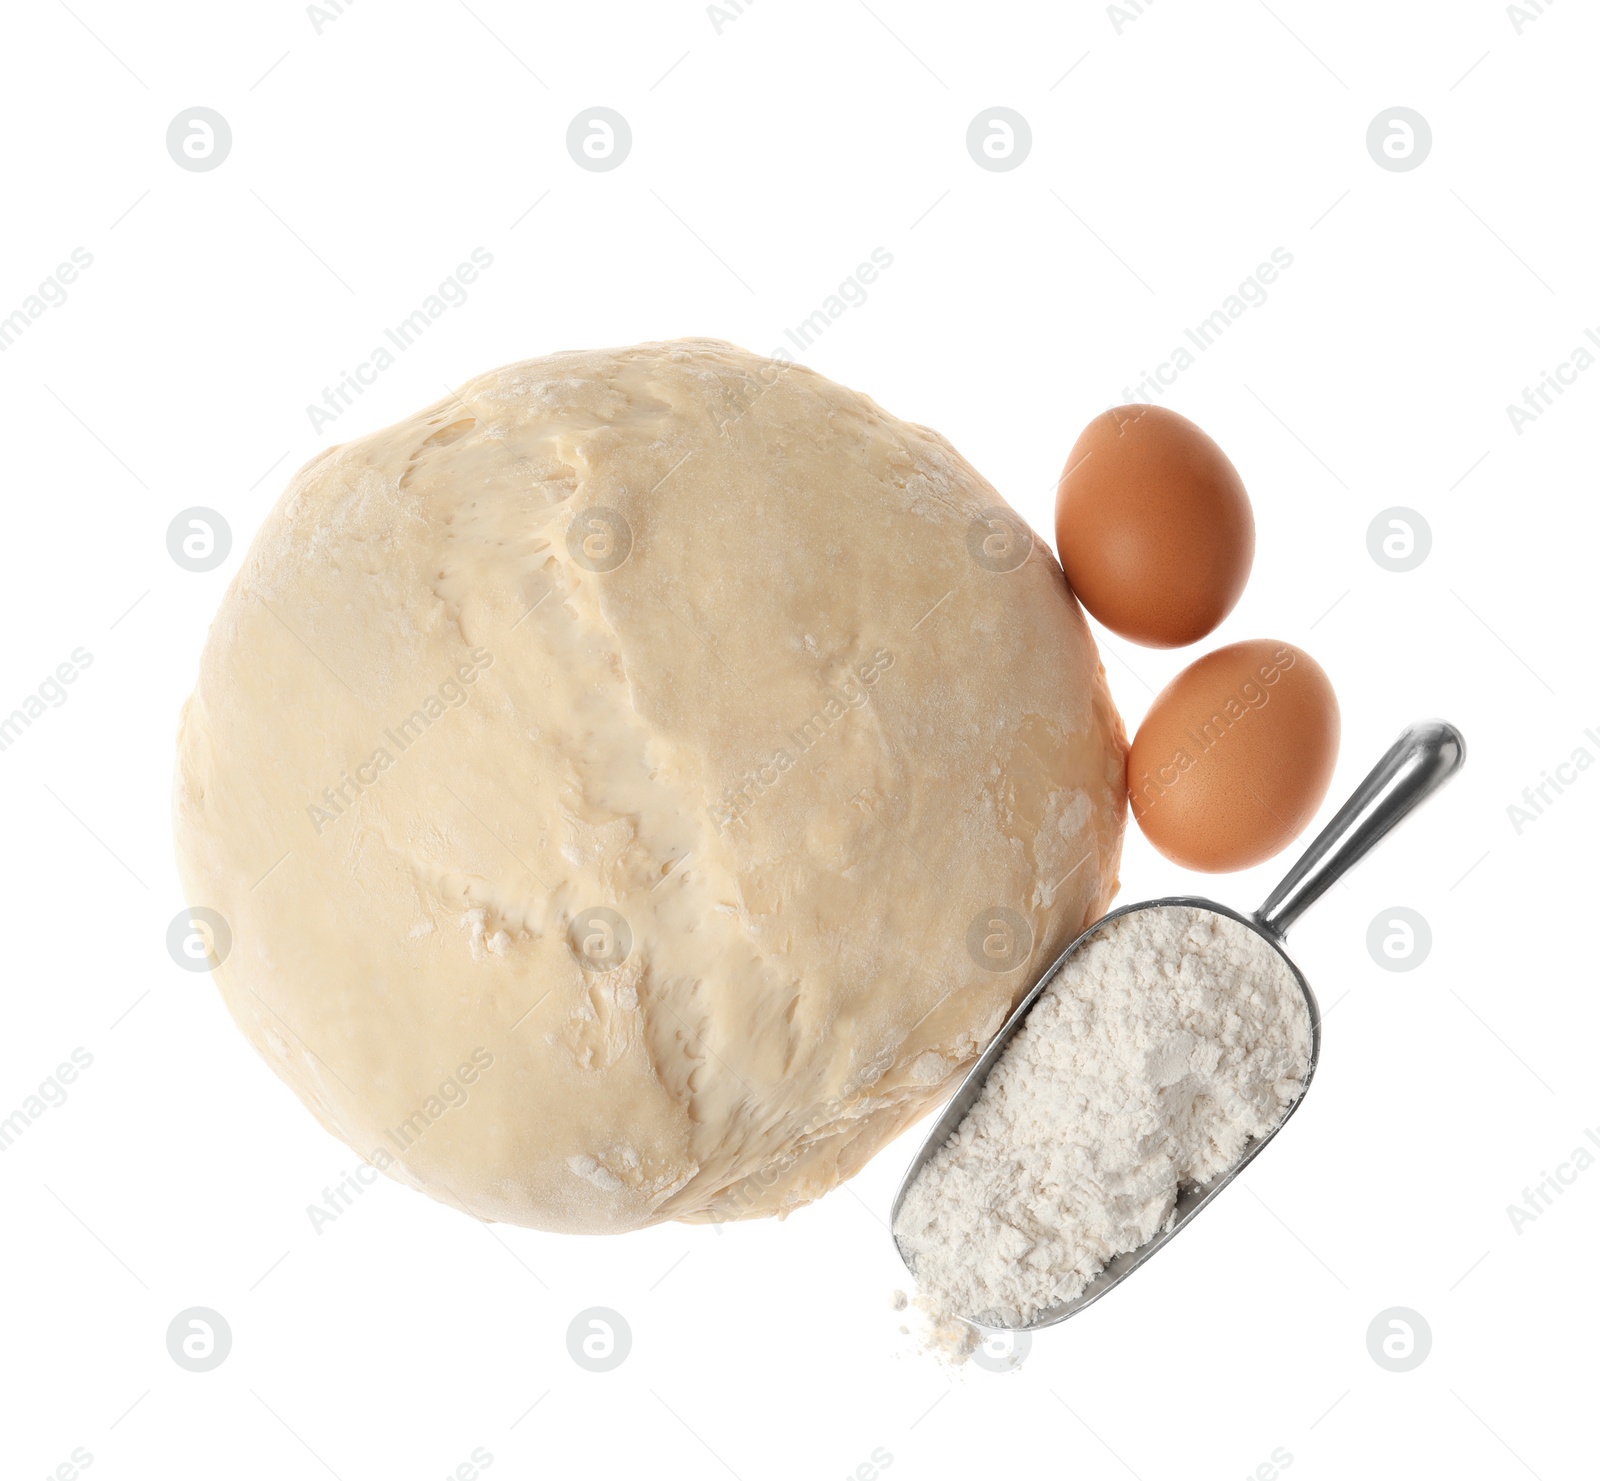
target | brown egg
x=1153, y=526
x=1235, y=756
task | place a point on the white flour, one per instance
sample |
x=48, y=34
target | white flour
x=1169, y=1039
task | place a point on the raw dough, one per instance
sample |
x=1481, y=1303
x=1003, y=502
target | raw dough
x=777, y=707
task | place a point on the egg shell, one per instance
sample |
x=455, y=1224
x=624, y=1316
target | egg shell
x=1235, y=756
x=1153, y=526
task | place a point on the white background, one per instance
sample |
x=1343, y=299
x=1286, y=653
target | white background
x=767, y=162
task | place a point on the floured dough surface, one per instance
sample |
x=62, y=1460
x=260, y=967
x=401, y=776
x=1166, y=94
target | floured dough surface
x=627, y=780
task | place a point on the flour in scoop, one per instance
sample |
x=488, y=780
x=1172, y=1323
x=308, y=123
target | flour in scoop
x=1170, y=1038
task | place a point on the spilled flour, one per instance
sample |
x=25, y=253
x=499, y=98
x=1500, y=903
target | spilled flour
x=1170, y=1039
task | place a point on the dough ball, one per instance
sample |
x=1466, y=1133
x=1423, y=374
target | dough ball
x=639, y=785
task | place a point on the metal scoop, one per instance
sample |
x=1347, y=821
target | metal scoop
x=1426, y=756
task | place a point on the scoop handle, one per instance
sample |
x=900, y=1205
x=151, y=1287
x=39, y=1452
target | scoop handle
x=1425, y=757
